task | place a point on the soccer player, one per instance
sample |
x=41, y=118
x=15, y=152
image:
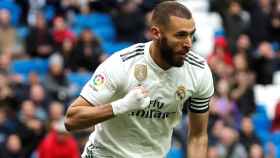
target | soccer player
x=135, y=98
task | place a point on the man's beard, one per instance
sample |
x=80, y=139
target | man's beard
x=167, y=54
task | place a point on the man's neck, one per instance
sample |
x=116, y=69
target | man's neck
x=157, y=57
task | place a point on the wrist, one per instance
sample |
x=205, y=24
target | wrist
x=118, y=107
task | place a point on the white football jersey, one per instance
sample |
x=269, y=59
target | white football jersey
x=145, y=133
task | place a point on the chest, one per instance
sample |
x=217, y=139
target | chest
x=168, y=90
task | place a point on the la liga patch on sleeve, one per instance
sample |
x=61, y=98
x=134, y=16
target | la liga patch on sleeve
x=98, y=81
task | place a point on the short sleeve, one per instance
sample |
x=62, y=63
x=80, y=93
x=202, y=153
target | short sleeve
x=103, y=84
x=199, y=102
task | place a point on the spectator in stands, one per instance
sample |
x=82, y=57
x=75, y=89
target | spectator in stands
x=88, y=52
x=236, y=22
x=260, y=19
x=147, y=33
x=61, y=32
x=240, y=63
x=243, y=58
x=29, y=110
x=33, y=79
x=212, y=152
x=12, y=148
x=39, y=40
x=229, y=146
x=56, y=113
x=21, y=88
x=264, y=63
x=37, y=94
x=31, y=129
x=128, y=27
x=243, y=44
x=8, y=39
x=5, y=69
x=56, y=82
x=5, y=61
x=223, y=105
x=66, y=8
x=275, y=22
x=68, y=53
x=4, y=85
x=256, y=151
x=276, y=120
x=6, y=93
x=58, y=144
x=5, y=125
x=247, y=133
x=35, y=6
x=220, y=60
x=215, y=128
x=221, y=52
x=243, y=93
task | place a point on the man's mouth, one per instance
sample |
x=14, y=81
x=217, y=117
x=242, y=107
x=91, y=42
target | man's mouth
x=183, y=53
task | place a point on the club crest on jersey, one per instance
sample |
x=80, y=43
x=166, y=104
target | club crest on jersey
x=140, y=72
x=180, y=92
x=98, y=81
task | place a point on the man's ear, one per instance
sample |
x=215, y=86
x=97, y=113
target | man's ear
x=155, y=32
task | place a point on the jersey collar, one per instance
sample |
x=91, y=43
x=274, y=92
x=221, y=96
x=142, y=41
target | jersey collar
x=150, y=60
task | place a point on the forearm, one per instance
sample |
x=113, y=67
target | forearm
x=197, y=146
x=82, y=114
x=81, y=117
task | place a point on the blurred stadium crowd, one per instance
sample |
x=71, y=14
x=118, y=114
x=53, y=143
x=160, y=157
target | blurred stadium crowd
x=49, y=49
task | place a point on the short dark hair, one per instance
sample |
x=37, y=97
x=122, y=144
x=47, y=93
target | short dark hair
x=163, y=11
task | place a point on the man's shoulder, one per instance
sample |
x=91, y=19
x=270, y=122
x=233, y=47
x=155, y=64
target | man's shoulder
x=126, y=56
x=133, y=51
x=195, y=61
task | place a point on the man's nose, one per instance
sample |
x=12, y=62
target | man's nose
x=188, y=42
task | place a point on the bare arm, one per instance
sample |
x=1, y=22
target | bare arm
x=81, y=114
x=197, y=136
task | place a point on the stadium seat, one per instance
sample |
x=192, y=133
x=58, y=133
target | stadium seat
x=78, y=80
x=111, y=47
x=25, y=66
x=263, y=135
x=275, y=138
x=219, y=33
x=100, y=23
x=261, y=110
x=94, y=20
x=105, y=33
x=175, y=153
x=49, y=12
x=100, y=19
x=14, y=9
x=277, y=151
x=22, y=32
x=261, y=122
x=80, y=21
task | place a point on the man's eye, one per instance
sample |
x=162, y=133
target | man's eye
x=181, y=35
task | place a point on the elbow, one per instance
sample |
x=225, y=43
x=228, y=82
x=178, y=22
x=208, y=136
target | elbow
x=68, y=124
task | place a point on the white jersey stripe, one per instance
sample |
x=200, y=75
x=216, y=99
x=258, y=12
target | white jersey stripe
x=200, y=105
x=199, y=108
